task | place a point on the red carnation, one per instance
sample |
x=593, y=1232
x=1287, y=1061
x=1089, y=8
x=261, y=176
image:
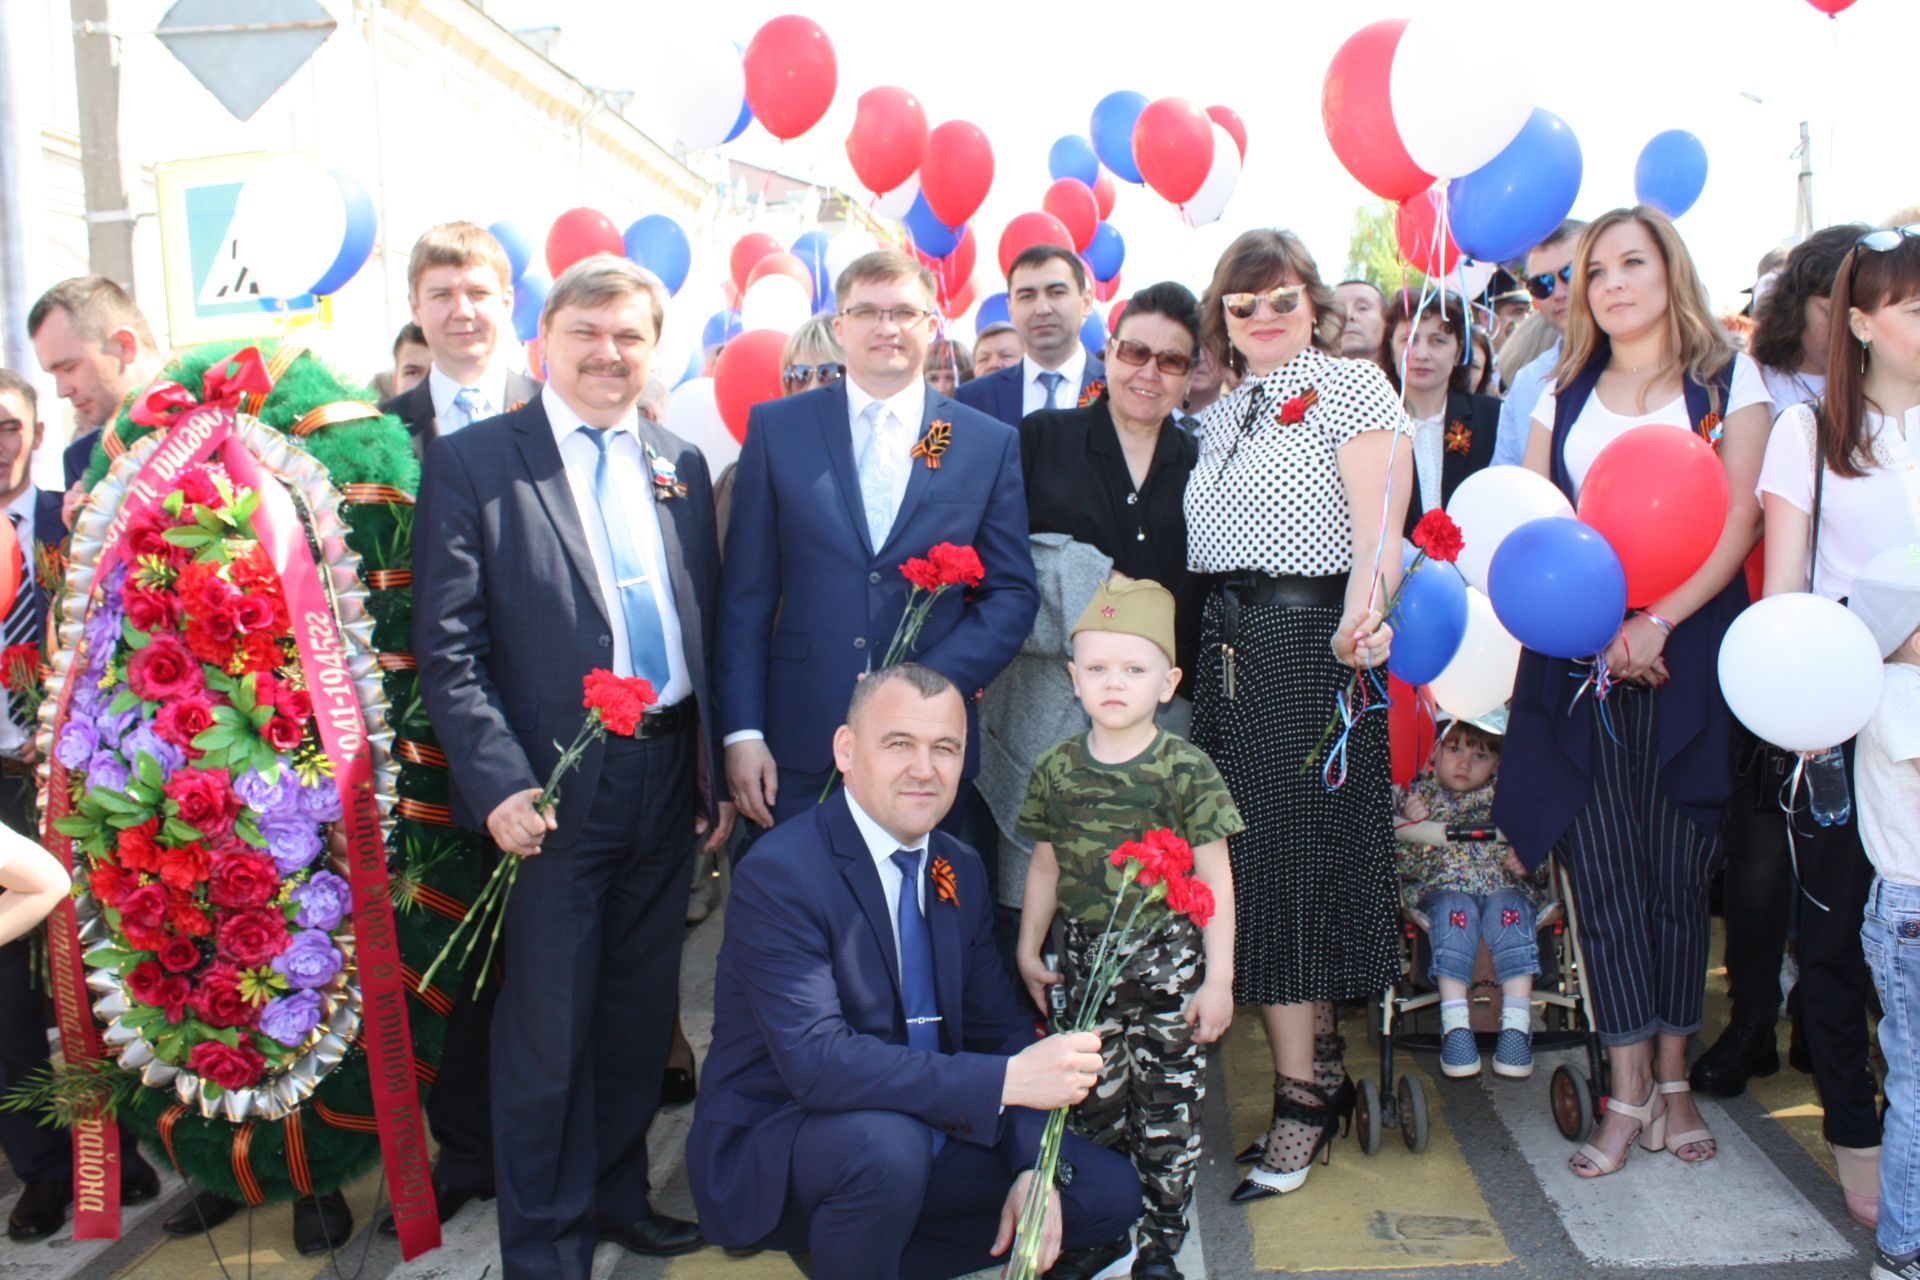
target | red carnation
x=144, y=909
x=1191, y=897
x=179, y=955
x=957, y=566
x=1438, y=536
x=921, y=573
x=226, y=1066
x=1163, y=856
x=253, y=573
x=108, y=884
x=251, y=937
x=1295, y=409
x=260, y=651
x=163, y=669
x=203, y=589
x=181, y=719
x=619, y=701
x=217, y=1000
x=205, y=797
x=185, y=917
x=184, y=867
x=283, y=733
x=244, y=879
x=136, y=849
x=143, y=982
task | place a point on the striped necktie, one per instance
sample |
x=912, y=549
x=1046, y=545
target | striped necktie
x=23, y=619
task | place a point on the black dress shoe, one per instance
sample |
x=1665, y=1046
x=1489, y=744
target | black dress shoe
x=138, y=1182
x=655, y=1236
x=677, y=1088
x=321, y=1224
x=1744, y=1049
x=207, y=1210
x=41, y=1209
x=1155, y=1262
x=448, y=1199
x=1084, y=1264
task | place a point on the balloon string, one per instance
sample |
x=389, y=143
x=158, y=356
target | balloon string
x=1789, y=792
x=1600, y=680
x=1370, y=695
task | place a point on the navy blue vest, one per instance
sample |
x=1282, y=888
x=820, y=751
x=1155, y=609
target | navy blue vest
x=1546, y=769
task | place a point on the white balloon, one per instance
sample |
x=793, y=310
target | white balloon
x=1223, y=176
x=776, y=302
x=694, y=416
x=844, y=248
x=1471, y=277
x=1801, y=671
x=702, y=88
x=1480, y=677
x=288, y=225
x=897, y=203
x=1450, y=120
x=1492, y=503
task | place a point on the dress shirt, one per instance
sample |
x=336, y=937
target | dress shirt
x=907, y=407
x=1033, y=392
x=492, y=385
x=883, y=846
x=1430, y=457
x=632, y=479
x=1516, y=411
x=11, y=738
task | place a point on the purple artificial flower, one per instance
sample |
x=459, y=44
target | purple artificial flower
x=321, y=802
x=115, y=727
x=309, y=961
x=107, y=770
x=288, y=1019
x=267, y=798
x=79, y=739
x=165, y=754
x=102, y=632
x=293, y=841
x=89, y=699
x=324, y=901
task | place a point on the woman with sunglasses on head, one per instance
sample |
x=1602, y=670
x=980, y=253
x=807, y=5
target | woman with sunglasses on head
x=1453, y=428
x=1285, y=515
x=1630, y=797
x=811, y=359
x=1838, y=488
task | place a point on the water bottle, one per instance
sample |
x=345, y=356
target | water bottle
x=1827, y=784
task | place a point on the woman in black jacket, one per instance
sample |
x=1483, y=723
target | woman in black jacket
x=1453, y=430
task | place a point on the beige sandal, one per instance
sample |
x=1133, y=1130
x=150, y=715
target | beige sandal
x=1860, y=1182
x=1679, y=1141
x=1651, y=1135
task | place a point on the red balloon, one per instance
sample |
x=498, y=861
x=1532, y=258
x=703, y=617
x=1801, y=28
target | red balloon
x=1028, y=230
x=746, y=374
x=1831, y=7
x=731, y=292
x=1658, y=495
x=1071, y=201
x=9, y=565
x=581, y=233
x=746, y=255
x=1113, y=316
x=1357, y=112
x=1416, y=229
x=791, y=75
x=1106, y=290
x=888, y=138
x=781, y=263
x=1103, y=194
x=956, y=171
x=951, y=273
x=1173, y=147
x=957, y=307
x=1229, y=119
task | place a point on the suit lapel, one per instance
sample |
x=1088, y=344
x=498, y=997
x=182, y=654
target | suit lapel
x=534, y=434
x=864, y=879
x=836, y=436
x=949, y=965
x=1013, y=393
x=520, y=390
x=669, y=515
x=1091, y=372
x=919, y=474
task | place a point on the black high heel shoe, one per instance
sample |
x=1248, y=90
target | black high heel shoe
x=1329, y=1065
x=1292, y=1109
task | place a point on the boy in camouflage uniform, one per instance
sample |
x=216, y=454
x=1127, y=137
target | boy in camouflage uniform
x=1120, y=779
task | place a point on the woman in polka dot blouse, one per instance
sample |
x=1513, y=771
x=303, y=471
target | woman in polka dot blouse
x=1286, y=513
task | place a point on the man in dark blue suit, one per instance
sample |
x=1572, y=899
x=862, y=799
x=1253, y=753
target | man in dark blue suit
x=836, y=488
x=1047, y=300
x=566, y=536
x=875, y=1091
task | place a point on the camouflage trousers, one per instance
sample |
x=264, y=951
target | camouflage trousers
x=1152, y=1074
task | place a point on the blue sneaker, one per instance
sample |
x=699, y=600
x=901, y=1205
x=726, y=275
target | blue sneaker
x=1459, y=1053
x=1513, y=1054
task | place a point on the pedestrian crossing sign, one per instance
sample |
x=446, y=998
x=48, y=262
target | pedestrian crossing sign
x=210, y=294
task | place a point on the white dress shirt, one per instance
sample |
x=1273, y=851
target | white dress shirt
x=633, y=481
x=1430, y=452
x=883, y=846
x=492, y=385
x=1033, y=392
x=12, y=740
x=900, y=430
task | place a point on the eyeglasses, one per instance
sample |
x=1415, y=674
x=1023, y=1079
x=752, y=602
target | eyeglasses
x=1541, y=286
x=905, y=317
x=1283, y=301
x=800, y=374
x=1172, y=363
x=1879, y=241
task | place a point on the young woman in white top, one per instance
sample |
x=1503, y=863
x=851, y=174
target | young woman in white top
x=1632, y=802
x=1856, y=455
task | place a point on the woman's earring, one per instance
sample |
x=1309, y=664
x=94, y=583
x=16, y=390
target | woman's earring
x=1863, y=355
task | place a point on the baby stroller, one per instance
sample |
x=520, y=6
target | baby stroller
x=1559, y=992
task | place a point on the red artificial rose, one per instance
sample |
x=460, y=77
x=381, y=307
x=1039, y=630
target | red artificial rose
x=136, y=849
x=180, y=719
x=184, y=867
x=143, y=982
x=174, y=993
x=251, y=937
x=217, y=1000
x=196, y=485
x=151, y=610
x=164, y=669
x=1163, y=855
x=146, y=534
x=296, y=703
x=179, y=955
x=921, y=573
x=957, y=566
x=1191, y=897
x=184, y=916
x=205, y=797
x=283, y=733
x=108, y=884
x=253, y=613
x=1438, y=536
x=144, y=909
x=226, y=1066
x=619, y=701
x=243, y=879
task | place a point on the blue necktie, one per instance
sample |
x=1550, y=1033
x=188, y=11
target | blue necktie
x=1052, y=383
x=472, y=406
x=876, y=476
x=646, y=639
x=916, y=966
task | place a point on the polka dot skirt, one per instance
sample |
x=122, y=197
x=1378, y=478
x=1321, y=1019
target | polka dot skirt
x=1314, y=898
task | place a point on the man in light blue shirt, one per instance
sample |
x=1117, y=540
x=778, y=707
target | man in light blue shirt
x=1549, y=279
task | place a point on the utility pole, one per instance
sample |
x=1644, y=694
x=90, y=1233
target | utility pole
x=1803, y=204
x=96, y=65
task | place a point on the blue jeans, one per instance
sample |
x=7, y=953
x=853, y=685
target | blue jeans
x=1890, y=936
x=1459, y=922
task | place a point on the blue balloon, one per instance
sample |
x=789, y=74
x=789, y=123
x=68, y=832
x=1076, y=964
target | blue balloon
x=811, y=249
x=1093, y=334
x=930, y=235
x=529, y=299
x=657, y=243
x=740, y=125
x=1072, y=157
x=721, y=326
x=992, y=310
x=1429, y=621
x=1671, y=172
x=696, y=361
x=1112, y=128
x=1105, y=252
x=357, y=243
x=514, y=241
x=1558, y=588
x=1515, y=200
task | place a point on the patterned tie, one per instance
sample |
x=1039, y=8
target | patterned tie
x=472, y=406
x=876, y=474
x=916, y=966
x=646, y=639
x=22, y=620
x=1052, y=382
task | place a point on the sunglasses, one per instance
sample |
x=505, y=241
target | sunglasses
x=1283, y=301
x=797, y=374
x=1879, y=241
x=1172, y=363
x=1541, y=286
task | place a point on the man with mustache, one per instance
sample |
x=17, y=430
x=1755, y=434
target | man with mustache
x=1048, y=299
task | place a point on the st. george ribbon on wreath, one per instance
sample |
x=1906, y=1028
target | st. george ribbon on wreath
x=238, y=773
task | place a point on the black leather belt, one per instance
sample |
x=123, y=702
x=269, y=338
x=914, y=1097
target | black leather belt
x=658, y=722
x=1290, y=591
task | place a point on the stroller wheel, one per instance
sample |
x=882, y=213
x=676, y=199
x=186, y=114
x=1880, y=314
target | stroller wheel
x=1572, y=1097
x=1413, y=1113
x=1368, y=1119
